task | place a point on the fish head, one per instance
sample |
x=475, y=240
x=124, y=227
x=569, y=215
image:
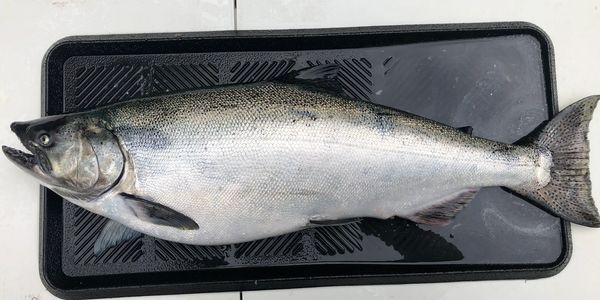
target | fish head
x=77, y=157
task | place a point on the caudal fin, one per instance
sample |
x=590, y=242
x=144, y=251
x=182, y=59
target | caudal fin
x=569, y=192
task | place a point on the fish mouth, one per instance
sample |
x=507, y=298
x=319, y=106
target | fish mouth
x=22, y=159
x=37, y=165
x=35, y=161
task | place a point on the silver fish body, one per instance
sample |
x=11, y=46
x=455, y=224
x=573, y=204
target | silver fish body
x=252, y=161
x=274, y=156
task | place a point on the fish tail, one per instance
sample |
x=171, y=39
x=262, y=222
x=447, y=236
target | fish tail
x=568, y=193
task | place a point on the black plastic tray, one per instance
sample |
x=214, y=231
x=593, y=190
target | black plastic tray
x=497, y=78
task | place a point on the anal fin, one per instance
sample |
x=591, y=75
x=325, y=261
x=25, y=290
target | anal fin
x=442, y=213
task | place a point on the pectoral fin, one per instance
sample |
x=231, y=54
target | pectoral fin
x=158, y=214
x=113, y=234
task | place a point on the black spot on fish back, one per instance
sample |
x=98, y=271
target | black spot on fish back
x=304, y=114
x=503, y=149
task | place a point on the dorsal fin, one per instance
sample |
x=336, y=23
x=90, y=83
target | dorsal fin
x=466, y=129
x=321, y=77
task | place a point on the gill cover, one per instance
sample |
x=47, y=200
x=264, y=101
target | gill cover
x=107, y=157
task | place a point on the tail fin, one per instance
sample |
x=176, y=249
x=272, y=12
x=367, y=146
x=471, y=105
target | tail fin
x=569, y=193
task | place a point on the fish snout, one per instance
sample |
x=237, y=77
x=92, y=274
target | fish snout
x=19, y=128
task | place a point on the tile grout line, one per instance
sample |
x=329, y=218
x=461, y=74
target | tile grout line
x=235, y=21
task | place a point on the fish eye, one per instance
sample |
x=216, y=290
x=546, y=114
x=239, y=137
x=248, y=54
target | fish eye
x=45, y=139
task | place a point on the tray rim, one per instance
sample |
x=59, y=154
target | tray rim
x=503, y=272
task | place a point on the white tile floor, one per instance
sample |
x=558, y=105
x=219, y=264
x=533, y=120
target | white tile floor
x=28, y=28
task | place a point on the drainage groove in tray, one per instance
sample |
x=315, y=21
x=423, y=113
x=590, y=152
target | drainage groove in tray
x=166, y=250
x=244, y=72
x=168, y=78
x=284, y=245
x=340, y=239
x=101, y=85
